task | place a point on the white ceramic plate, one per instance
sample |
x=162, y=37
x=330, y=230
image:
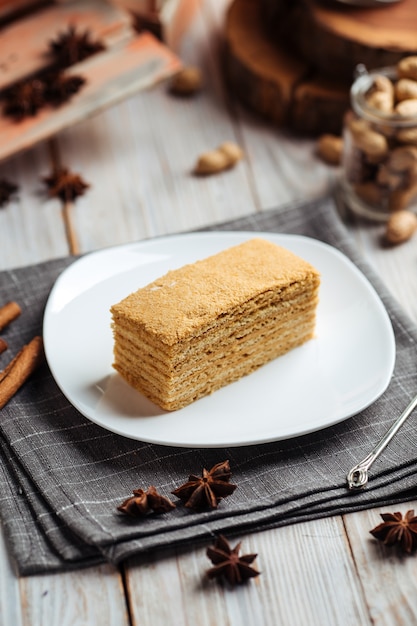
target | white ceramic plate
x=340, y=372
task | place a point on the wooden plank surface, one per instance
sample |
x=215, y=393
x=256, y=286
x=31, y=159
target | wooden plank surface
x=10, y=601
x=31, y=226
x=298, y=564
x=91, y=596
x=138, y=156
x=388, y=577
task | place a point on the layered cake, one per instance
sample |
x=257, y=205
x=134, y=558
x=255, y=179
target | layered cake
x=207, y=324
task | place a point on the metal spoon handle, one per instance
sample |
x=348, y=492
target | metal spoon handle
x=358, y=475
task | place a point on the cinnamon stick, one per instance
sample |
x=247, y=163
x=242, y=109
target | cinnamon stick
x=3, y=345
x=20, y=368
x=8, y=313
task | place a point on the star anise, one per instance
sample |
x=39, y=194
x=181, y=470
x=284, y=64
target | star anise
x=228, y=564
x=70, y=47
x=24, y=99
x=398, y=529
x=142, y=502
x=135, y=505
x=66, y=185
x=158, y=503
x=206, y=491
x=61, y=87
x=7, y=190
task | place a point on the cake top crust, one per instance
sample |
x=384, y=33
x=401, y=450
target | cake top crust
x=174, y=306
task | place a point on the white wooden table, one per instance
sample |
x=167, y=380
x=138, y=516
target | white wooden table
x=138, y=157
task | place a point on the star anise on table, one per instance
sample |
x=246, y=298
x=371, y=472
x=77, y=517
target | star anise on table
x=206, y=491
x=7, y=190
x=65, y=184
x=228, y=565
x=72, y=46
x=59, y=87
x=398, y=529
x=143, y=502
x=24, y=99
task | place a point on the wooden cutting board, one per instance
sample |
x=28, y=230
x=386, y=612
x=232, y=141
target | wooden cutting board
x=294, y=62
x=274, y=82
x=335, y=37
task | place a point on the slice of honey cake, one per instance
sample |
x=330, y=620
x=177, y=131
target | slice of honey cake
x=207, y=324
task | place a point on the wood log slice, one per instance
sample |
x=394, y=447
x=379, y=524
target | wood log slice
x=335, y=37
x=273, y=82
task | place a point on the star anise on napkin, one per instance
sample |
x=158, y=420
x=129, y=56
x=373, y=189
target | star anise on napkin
x=61, y=87
x=143, y=502
x=71, y=46
x=24, y=99
x=398, y=529
x=206, y=491
x=228, y=564
x=65, y=184
x=7, y=190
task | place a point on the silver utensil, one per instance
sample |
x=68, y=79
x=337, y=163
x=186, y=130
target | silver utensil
x=358, y=475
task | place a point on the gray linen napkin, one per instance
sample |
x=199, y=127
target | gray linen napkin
x=62, y=477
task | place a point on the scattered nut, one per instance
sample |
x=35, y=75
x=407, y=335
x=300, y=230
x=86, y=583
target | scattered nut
x=233, y=152
x=407, y=67
x=211, y=163
x=215, y=161
x=186, y=82
x=329, y=149
x=400, y=227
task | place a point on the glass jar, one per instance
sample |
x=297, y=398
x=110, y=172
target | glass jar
x=379, y=162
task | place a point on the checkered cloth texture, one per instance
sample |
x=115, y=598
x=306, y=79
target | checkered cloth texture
x=62, y=477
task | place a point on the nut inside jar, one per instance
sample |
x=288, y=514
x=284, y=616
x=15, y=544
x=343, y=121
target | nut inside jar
x=380, y=142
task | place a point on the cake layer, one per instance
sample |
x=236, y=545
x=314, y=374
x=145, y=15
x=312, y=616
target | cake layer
x=267, y=76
